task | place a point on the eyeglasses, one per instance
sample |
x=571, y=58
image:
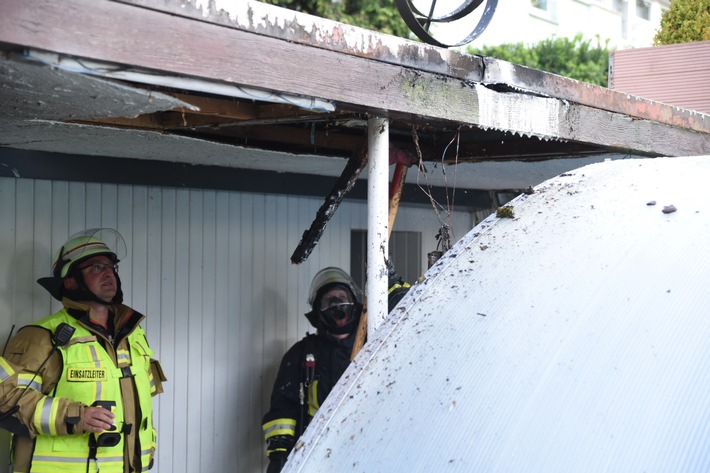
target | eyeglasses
x=98, y=268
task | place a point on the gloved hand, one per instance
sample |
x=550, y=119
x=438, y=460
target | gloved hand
x=395, y=294
x=397, y=287
x=279, y=448
x=277, y=460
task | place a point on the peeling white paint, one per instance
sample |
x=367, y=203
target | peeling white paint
x=254, y=15
x=536, y=116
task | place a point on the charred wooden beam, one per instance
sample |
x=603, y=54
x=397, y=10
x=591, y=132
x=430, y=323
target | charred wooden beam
x=345, y=182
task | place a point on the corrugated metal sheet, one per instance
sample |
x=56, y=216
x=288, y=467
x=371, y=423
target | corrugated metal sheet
x=573, y=337
x=676, y=74
x=211, y=270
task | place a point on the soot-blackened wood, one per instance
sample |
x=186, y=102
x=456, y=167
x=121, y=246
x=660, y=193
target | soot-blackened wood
x=345, y=182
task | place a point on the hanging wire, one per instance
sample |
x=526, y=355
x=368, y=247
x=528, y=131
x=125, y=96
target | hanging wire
x=444, y=234
x=456, y=138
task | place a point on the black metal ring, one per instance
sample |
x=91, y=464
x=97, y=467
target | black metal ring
x=419, y=23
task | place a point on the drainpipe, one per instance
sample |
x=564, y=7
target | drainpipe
x=377, y=221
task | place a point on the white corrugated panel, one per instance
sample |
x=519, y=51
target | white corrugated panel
x=574, y=337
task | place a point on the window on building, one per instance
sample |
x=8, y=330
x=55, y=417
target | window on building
x=405, y=252
x=541, y=4
x=643, y=9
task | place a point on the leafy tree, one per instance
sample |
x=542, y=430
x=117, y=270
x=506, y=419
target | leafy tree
x=684, y=22
x=576, y=58
x=377, y=15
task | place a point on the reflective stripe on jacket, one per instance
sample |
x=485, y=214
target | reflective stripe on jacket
x=280, y=424
x=89, y=374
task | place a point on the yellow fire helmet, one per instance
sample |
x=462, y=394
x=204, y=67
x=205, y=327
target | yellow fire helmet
x=78, y=247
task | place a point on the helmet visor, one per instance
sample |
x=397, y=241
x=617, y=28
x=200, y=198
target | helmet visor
x=338, y=315
x=87, y=243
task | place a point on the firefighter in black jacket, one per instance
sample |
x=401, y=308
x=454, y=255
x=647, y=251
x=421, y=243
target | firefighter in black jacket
x=310, y=369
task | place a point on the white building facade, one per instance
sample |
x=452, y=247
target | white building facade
x=625, y=23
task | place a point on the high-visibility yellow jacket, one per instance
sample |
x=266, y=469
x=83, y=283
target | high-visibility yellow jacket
x=89, y=368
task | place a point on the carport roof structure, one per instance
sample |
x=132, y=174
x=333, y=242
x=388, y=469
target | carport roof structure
x=253, y=86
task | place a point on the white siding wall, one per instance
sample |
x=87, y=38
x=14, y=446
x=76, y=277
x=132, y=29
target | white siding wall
x=212, y=272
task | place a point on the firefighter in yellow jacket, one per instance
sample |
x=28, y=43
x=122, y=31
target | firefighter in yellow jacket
x=76, y=387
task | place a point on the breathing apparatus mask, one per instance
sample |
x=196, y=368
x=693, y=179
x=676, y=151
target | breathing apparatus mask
x=336, y=309
x=335, y=300
x=76, y=250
